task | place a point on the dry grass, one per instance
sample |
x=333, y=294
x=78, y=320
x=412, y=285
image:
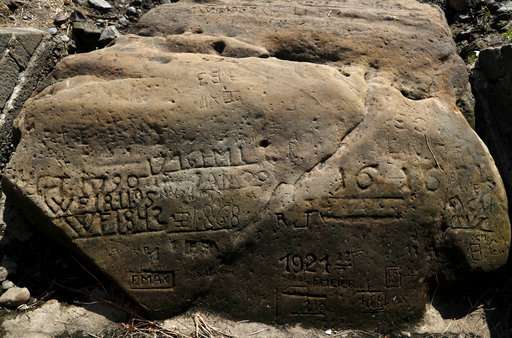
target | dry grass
x=473, y=323
x=139, y=328
x=204, y=330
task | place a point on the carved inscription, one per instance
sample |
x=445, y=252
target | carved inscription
x=220, y=93
x=232, y=157
x=472, y=212
x=482, y=246
x=299, y=303
x=308, y=263
x=259, y=187
x=349, y=210
x=151, y=253
x=178, y=193
x=197, y=219
x=152, y=280
x=373, y=301
x=393, y=277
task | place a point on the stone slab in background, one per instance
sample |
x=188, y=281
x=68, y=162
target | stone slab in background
x=492, y=86
x=408, y=40
x=275, y=190
x=27, y=57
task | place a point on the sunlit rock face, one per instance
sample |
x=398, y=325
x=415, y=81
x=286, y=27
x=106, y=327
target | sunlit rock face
x=276, y=190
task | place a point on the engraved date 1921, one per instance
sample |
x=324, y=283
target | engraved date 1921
x=296, y=263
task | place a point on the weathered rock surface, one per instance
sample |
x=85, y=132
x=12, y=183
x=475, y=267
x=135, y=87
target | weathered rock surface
x=7, y=284
x=15, y=297
x=100, y=4
x=492, y=85
x=3, y=273
x=409, y=41
x=269, y=189
x=54, y=319
x=27, y=58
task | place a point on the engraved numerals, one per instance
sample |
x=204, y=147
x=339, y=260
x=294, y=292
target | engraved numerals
x=311, y=263
x=373, y=301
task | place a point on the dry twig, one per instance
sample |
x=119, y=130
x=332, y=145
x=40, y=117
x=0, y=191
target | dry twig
x=145, y=328
x=204, y=330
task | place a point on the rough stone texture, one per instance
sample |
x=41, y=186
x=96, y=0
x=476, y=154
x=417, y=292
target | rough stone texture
x=268, y=189
x=408, y=40
x=54, y=319
x=27, y=57
x=7, y=284
x=100, y=4
x=3, y=273
x=432, y=326
x=492, y=86
x=15, y=297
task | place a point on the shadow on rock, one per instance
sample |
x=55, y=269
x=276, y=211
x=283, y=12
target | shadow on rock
x=52, y=272
x=490, y=292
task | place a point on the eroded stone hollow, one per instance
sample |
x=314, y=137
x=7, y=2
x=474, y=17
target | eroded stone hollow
x=265, y=189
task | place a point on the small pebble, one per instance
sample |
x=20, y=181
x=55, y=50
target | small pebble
x=32, y=301
x=109, y=34
x=100, y=4
x=131, y=10
x=123, y=21
x=77, y=16
x=7, y=284
x=506, y=7
x=53, y=30
x=61, y=18
x=15, y=297
x=23, y=307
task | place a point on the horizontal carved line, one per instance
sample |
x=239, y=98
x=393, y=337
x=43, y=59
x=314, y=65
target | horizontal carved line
x=303, y=295
x=307, y=314
x=152, y=290
x=371, y=198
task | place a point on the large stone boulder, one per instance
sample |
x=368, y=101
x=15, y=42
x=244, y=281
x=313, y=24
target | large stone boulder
x=409, y=41
x=275, y=190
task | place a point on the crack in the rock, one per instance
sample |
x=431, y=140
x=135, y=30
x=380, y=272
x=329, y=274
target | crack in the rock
x=246, y=234
x=13, y=58
x=272, y=194
x=342, y=143
x=326, y=158
x=6, y=50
